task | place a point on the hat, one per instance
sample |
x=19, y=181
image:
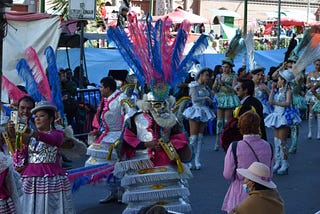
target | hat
x=118, y=74
x=258, y=173
x=229, y=61
x=293, y=58
x=287, y=75
x=257, y=68
x=43, y=105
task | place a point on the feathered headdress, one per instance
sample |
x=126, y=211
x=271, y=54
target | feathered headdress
x=237, y=46
x=36, y=80
x=307, y=50
x=154, y=55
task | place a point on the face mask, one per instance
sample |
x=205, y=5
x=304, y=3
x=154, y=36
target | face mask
x=246, y=188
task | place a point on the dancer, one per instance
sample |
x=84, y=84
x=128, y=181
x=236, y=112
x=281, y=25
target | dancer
x=226, y=96
x=281, y=118
x=261, y=90
x=199, y=113
x=108, y=125
x=154, y=143
x=313, y=78
x=43, y=171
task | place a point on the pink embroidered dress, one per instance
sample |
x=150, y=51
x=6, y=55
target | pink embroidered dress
x=45, y=183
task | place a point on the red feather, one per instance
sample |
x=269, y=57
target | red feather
x=13, y=91
x=38, y=73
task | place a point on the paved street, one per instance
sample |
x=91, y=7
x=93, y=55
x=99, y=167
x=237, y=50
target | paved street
x=300, y=189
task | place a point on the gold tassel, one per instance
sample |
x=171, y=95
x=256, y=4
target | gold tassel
x=179, y=165
x=110, y=152
x=8, y=142
x=171, y=153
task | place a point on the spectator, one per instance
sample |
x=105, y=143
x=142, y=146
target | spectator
x=79, y=78
x=263, y=197
x=68, y=92
x=243, y=153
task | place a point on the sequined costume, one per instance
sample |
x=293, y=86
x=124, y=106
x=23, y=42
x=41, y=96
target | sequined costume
x=150, y=175
x=278, y=117
x=298, y=99
x=46, y=185
x=226, y=96
x=262, y=96
x=199, y=110
x=310, y=98
x=109, y=120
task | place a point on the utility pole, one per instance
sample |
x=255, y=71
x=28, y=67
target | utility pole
x=278, y=24
x=151, y=7
x=245, y=17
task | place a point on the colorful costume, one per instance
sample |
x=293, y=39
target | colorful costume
x=10, y=187
x=278, y=117
x=152, y=175
x=109, y=120
x=156, y=58
x=226, y=96
x=282, y=116
x=199, y=110
x=262, y=96
x=46, y=185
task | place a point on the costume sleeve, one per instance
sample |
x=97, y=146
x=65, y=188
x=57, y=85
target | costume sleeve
x=131, y=138
x=54, y=138
x=229, y=164
x=179, y=140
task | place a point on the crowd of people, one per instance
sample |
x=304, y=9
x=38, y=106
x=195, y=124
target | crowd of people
x=136, y=129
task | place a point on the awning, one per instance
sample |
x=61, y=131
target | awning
x=178, y=16
x=228, y=13
x=229, y=31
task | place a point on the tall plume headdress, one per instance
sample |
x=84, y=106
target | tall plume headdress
x=237, y=47
x=154, y=55
x=307, y=51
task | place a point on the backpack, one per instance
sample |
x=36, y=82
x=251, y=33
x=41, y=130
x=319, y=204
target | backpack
x=230, y=133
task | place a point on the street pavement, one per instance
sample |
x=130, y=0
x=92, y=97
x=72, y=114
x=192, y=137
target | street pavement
x=299, y=189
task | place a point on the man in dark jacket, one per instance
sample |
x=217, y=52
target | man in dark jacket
x=245, y=91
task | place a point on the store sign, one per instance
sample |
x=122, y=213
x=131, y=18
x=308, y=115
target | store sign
x=82, y=9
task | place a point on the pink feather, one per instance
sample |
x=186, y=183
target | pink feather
x=38, y=73
x=13, y=91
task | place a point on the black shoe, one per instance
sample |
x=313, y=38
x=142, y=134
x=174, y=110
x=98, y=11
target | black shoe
x=107, y=199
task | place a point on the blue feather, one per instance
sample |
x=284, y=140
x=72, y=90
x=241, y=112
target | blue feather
x=54, y=79
x=25, y=73
x=199, y=46
x=179, y=45
x=157, y=35
x=125, y=47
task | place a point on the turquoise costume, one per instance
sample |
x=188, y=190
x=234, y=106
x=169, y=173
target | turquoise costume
x=226, y=96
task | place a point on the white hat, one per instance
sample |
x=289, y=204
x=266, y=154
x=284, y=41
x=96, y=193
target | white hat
x=258, y=173
x=43, y=105
x=287, y=75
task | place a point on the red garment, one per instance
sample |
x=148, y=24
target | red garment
x=158, y=157
x=4, y=193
